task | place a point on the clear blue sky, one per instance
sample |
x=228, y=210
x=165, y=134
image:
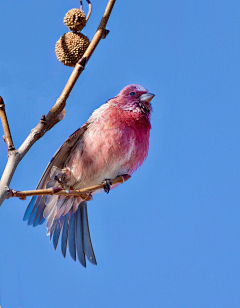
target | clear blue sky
x=170, y=236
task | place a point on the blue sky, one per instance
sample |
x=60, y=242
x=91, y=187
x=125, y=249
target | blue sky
x=170, y=236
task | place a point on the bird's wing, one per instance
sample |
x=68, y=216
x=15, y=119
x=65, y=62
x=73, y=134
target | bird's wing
x=73, y=224
x=37, y=203
x=62, y=154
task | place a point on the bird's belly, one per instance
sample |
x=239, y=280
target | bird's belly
x=105, y=154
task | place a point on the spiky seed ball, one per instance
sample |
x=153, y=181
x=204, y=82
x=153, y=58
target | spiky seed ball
x=75, y=20
x=71, y=47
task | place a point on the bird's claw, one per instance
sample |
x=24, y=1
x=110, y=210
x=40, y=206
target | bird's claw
x=60, y=181
x=107, y=185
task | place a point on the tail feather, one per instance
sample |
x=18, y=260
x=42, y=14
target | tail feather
x=67, y=216
x=50, y=220
x=63, y=207
x=68, y=206
x=57, y=232
x=41, y=219
x=36, y=220
x=79, y=238
x=52, y=230
x=50, y=207
x=76, y=203
x=39, y=214
x=39, y=200
x=29, y=209
x=87, y=244
x=60, y=202
x=65, y=235
x=71, y=235
x=32, y=217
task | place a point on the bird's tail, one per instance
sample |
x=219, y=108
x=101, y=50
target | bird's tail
x=66, y=215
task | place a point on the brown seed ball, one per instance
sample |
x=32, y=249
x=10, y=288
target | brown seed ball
x=75, y=20
x=71, y=47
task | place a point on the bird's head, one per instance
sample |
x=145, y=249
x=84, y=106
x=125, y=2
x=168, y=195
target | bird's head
x=135, y=98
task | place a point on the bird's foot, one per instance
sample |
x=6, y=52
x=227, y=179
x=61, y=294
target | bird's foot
x=107, y=185
x=61, y=176
x=60, y=180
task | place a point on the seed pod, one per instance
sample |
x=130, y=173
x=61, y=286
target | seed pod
x=75, y=20
x=71, y=47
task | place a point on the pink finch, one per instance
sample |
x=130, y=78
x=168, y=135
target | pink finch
x=114, y=141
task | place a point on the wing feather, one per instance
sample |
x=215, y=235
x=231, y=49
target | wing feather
x=62, y=154
x=72, y=218
x=58, y=161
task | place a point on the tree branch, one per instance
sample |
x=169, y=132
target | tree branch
x=84, y=193
x=55, y=114
x=7, y=134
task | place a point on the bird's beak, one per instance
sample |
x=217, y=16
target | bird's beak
x=147, y=97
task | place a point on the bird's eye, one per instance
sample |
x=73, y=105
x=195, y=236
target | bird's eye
x=132, y=93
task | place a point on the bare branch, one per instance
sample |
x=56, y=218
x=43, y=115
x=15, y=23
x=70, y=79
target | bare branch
x=51, y=191
x=118, y=180
x=7, y=134
x=83, y=193
x=89, y=9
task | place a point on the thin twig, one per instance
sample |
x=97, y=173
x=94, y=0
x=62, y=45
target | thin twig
x=84, y=193
x=118, y=180
x=89, y=9
x=7, y=134
x=50, y=191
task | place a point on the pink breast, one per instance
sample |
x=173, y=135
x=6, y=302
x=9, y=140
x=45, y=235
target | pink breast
x=112, y=145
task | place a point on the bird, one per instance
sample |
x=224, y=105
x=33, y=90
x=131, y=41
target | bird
x=114, y=141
